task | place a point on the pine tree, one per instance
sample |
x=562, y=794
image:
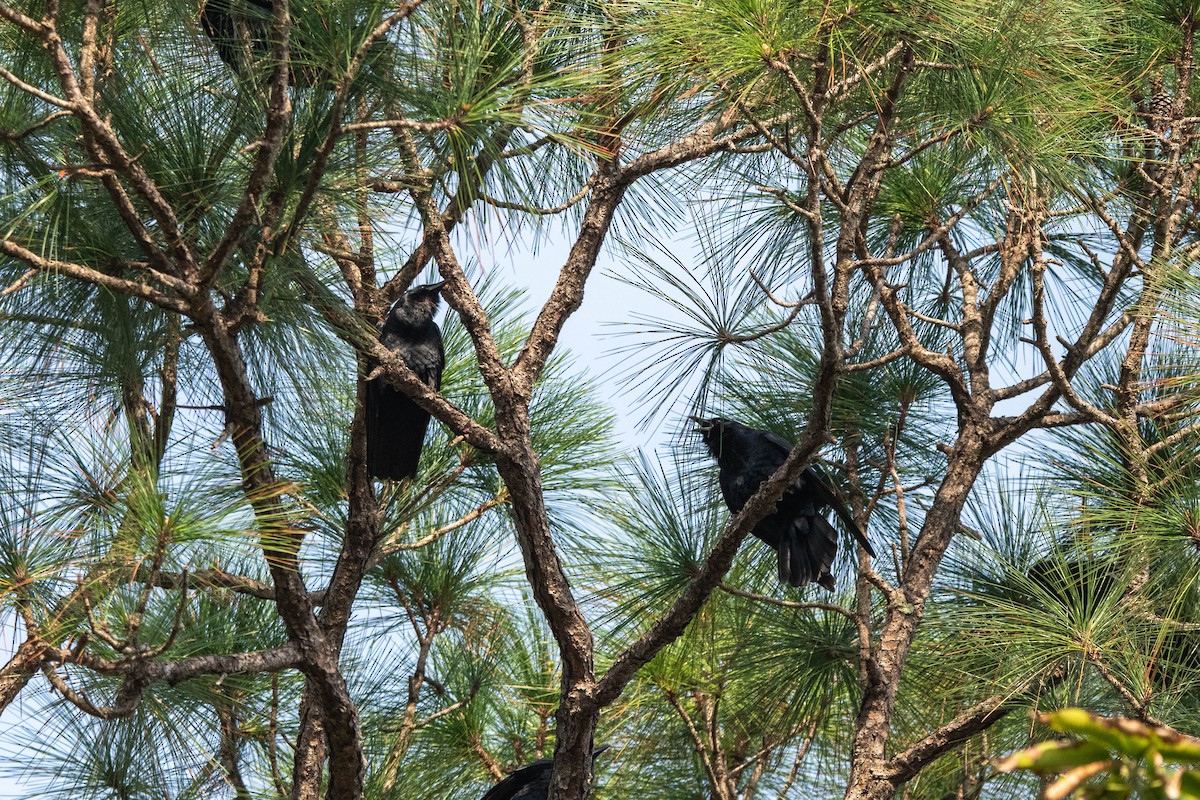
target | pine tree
x=948, y=249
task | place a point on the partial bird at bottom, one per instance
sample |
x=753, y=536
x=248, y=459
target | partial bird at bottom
x=531, y=782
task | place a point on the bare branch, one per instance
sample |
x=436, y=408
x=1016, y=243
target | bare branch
x=21, y=20
x=401, y=124
x=285, y=656
x=125, y=703
x=570, y=203
x=84, y=273
x=437, y=533
x=458, y=291
x=1136, y=704
x=832, y=608
x=53, y=100
x=701, y=745
x=875, y=363
x=1057, y=375
x=906, y=764
x=19, y=283
x=937, y=234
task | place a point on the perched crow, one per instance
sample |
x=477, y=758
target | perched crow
x=531, y=782
x=395, y=424
x=804, y=540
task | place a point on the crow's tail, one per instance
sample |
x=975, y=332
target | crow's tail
x=395, y=432
x=806, y=552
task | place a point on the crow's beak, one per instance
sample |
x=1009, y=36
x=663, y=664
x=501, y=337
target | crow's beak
x=426, y=289
x=702, y=425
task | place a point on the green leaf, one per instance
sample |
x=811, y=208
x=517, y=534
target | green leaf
x=1048, y=758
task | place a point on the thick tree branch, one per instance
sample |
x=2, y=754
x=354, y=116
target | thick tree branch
x=90, y=275
x=23, y=665
x=280, y=540
x=906, y=764
x=276, y=659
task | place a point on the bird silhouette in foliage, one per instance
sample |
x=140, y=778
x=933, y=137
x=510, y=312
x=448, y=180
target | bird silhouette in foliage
x=395, y=424
x=804, y=540
x=220, y=19
x=242, y=28
x=530, y=782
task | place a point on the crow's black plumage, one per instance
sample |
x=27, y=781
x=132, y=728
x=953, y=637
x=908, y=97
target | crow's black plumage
x=242, y=28
x=219, y=19
x=803, y=539
x=395, y=424
x=531, y=782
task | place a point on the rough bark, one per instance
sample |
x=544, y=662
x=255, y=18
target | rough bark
x=869, y=776
x=15, y=674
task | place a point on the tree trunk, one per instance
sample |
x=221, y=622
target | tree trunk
x=577, y=713
x=870, y=777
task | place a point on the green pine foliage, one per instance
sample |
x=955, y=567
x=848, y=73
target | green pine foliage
x=1029, y=153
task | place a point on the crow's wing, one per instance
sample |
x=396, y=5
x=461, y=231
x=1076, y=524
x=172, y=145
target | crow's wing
x=816, y=483
x=813, y=481
x=423, y=352
x=777, y=443
x=395, y=431
x=371, y=410
x=427, y=358
x=773, y=451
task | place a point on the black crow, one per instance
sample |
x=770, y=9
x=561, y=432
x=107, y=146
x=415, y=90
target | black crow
x=219, y=19
x=395, y=424
x=235, y=25
x=803, y=539
x=531, y=782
